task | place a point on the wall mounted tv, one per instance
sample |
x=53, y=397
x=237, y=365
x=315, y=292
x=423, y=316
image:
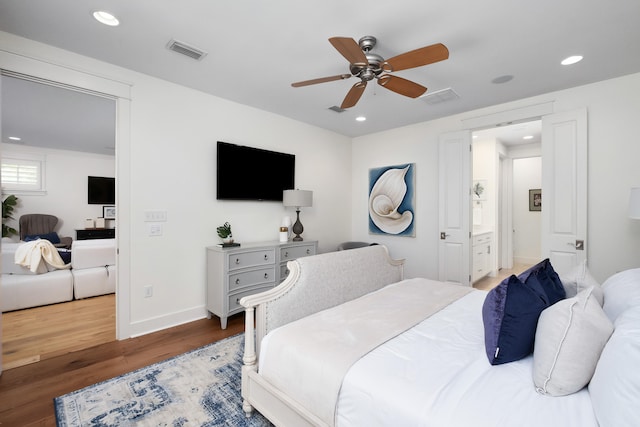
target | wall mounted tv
x=101, y=190
x=247, y=173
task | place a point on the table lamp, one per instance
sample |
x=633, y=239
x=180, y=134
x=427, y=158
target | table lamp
x=297, y=199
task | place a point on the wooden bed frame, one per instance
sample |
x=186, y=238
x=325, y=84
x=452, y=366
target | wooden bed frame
x=314, y=284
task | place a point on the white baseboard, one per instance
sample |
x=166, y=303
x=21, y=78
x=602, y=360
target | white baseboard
x=159, y=323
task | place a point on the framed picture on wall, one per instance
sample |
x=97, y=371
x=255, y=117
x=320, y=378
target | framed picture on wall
x=535, y=200
x=109, y=212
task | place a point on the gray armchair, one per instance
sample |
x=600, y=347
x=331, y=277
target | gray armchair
x=42, y=225
x=353, y=245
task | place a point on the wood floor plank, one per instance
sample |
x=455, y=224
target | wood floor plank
x=40, y=333
x=27, y=392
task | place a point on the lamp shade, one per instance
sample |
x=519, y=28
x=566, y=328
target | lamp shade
x=297, y=198
x=634, y=203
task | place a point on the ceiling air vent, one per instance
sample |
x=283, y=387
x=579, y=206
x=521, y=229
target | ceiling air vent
x=185, y=49
x=440, y=96
x=337, y=109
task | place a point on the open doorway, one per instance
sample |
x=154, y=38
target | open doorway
x=506, y=234
x=73, y=131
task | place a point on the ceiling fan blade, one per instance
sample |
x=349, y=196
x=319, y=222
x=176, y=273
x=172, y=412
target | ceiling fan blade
x=402, y=86
x=350, y=49
x=321, y=80
x=354, y=95
x=417, y=58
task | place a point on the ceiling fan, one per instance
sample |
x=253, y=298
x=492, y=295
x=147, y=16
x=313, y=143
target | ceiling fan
x=367, y=66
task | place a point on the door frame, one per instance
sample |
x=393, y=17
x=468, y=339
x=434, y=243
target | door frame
x=48, y=72
x=512, y=116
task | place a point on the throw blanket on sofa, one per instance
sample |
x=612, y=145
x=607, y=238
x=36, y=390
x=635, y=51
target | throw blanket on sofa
x=31, y=254
x=308, y=358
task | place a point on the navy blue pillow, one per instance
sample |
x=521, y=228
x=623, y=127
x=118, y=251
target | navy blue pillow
x=510, y=315
x=546, y=276
x=52, y=237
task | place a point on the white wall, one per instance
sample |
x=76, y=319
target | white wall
x=66, y=180
x=527, y=225
x=171, y=163
x=613, y=239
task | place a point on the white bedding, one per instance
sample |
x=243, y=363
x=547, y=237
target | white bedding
x=424, y=376
x=327, y=343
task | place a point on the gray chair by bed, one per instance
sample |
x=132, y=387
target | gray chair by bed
x=43, y=226
x=353, y=245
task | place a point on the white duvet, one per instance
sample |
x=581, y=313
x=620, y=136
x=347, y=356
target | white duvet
x=437, y=374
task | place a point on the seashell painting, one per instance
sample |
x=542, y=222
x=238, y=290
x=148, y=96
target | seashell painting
x=391, y=204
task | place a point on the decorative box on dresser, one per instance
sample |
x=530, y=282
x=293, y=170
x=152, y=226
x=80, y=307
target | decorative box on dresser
x=235, y=272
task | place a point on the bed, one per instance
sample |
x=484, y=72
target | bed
x=345, y=341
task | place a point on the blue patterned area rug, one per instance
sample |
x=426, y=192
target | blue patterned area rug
x=198, y=388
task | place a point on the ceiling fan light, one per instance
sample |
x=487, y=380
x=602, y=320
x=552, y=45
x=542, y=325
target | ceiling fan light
x=361, y=118
x=106, y=18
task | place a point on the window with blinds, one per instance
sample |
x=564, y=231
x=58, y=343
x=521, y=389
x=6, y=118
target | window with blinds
x=22, y=174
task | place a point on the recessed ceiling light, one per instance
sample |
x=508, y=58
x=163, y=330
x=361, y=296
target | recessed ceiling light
x=502, y=79
x=528, y=137
x=15, y=138
x=361, y=118
x=571, y=60
x=106, y=18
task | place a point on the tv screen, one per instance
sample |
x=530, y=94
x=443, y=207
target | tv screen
x=247, y=173
x=101, y=190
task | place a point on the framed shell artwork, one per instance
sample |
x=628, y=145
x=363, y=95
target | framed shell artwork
x=391, y=200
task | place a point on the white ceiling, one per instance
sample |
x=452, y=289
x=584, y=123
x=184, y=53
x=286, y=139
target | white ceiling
x=256, y=49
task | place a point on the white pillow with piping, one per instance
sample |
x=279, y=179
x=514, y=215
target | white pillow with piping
x=569, y=339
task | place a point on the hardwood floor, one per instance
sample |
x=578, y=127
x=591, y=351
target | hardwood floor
x=487, y=283
x=39, y=333
x=27, y=392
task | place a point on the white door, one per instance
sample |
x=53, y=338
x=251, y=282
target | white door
x=454, y=207
x=564, y=189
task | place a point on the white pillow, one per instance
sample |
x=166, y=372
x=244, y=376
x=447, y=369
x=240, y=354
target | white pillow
x=569, y=339
x=621, y=291
x=579, y=279
x=615, y=387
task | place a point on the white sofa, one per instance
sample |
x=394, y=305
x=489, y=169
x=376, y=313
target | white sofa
x=92, y=273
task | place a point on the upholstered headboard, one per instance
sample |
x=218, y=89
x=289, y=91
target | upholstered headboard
x=319, y=282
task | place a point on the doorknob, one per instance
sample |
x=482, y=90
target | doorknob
x=579, y=245
x=443, y=235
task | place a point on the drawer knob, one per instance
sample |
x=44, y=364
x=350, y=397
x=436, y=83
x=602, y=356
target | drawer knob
x=266, y=257
x=238, y=300
x=286, y=254
x=237, y=281
x=237, y=261
x=266, y=276
x=308, y=251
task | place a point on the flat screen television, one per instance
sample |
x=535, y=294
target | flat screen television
x=247, y=173
x=101, y=190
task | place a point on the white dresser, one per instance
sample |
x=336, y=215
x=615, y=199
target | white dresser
x=235, y=272
x=481, y=250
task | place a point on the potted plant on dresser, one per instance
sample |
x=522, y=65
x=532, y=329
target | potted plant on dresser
x=224, y=232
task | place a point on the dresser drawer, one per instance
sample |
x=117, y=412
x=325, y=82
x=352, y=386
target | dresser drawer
x=482, y=239
x=251, y=259
x=234, y=300
x=252, y=277
x=294, y=252
x=284, y=271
